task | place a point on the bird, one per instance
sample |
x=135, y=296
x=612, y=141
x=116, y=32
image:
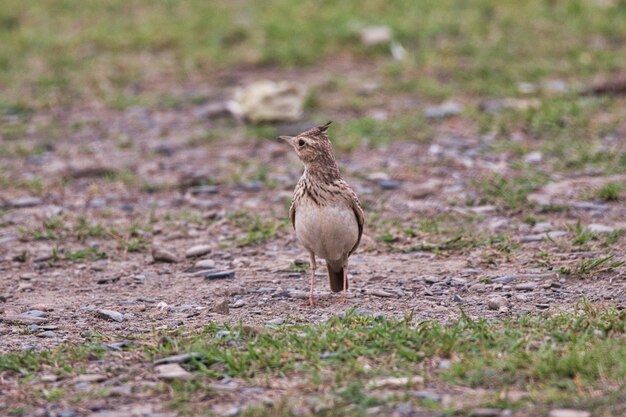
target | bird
x=325, y=211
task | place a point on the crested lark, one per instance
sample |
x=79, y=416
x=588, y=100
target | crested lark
x=325, y=212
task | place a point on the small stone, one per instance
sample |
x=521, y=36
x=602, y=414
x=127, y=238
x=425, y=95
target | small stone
x=379, y=293
x=586, y=205
x=485, y=412
x=49, y=334
x=238, y=304
x=171, y=371
x=162, y=255
x=299, y=294
x=183, y=357
x=198, y=250
x=68, y=413
x=495, y=303
x=48, y=378
x=389, y=184
x=600, y=228
x=220, y=275
x=533, y=157
x=89, y=378
x=221, y=307
x=478, y=287
x=543, y=236
x=395, y=382
x=458, y=299
x=542, y=227
x=275, y=322
x=376, y=35
x=542, y=306
x=449, y=108
x=426, y=395
x=566, y=412
x=444, y=364
x=110, y=315
x=25, y=202
x=526, y=286
x=204, y=264
x=24, y=318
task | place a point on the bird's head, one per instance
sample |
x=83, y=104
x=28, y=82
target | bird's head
x=312, y=146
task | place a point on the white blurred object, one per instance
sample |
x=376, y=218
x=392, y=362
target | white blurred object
x=269, y=101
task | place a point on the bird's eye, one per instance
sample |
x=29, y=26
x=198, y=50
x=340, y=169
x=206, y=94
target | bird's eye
x=301, y=142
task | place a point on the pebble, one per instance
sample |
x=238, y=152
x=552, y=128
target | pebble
x=275, y=322
x=376, y=35
x=391, y=382
x=162, y=255
x=449, y=108
x=25, y=202
x=299, y=294
x=24, y=318
x=238, y=304
x=110, y=315
x=533, y=157
x=543, y=236
x=495, y=303
x=526, y=286
x=389, y=184
x=542, y=227
x=478, y=287
x=204, y=264
x=183, y=357
x=485, y=412
x=47, y=334
x=426, y=395
x=379, y=293
x=221, y=307
x=198, y=250
x=600, y=228
x=219, y=275
x=89, y=378
x=542, y=306
x=566, y=412
x=68, y=413
x=458, y=299
x=586, y=205
x=171, y=371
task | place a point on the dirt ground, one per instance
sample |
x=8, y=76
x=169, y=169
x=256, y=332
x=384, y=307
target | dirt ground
x=156, y=169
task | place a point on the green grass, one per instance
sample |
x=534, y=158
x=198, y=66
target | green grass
x=56, y=50
x=573, y=359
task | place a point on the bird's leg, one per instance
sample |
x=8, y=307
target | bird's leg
x=312, y=279
x=344, y=294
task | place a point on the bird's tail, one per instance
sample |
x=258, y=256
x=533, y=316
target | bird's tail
x=335, y=275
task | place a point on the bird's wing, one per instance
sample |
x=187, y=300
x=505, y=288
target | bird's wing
x=360, y=217
x=292, y=213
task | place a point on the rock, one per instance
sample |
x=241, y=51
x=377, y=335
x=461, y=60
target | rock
x=376, y=35
x=542, y=306
x=221, y=307
x=425, y=189
x=478, y=287
x=449, y=108
x=49, y=334
x=426, y=395
x=506, y=279
x=485, y=412
x=458, y=299
x=275, y=322
x=198, y=250
x=497, y=302
x=484, y=209
x=68, y=413
x=395, y=382
x=161, y=255
x=542, y=227
x=48, y=378
x=600, y=228
x=171, y=371
x=543, y=236
x=23, y=318
x=238, y=304
x=24, y=202
x=533, y=157
x=183, y=357
x=496, y=105
x=268, y=101
x=89, y=378
x=110, y=315
x=586, y=205
x=379, y=293
x=389, y=184
x=526, y=286
x=566, y=412
x=299, y=294
x=204, y=264
x=219, y=275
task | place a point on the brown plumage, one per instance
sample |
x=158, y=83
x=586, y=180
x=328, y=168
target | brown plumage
x=325, y=212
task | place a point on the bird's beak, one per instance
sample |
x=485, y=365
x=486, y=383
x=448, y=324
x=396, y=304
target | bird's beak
x=286, y=138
